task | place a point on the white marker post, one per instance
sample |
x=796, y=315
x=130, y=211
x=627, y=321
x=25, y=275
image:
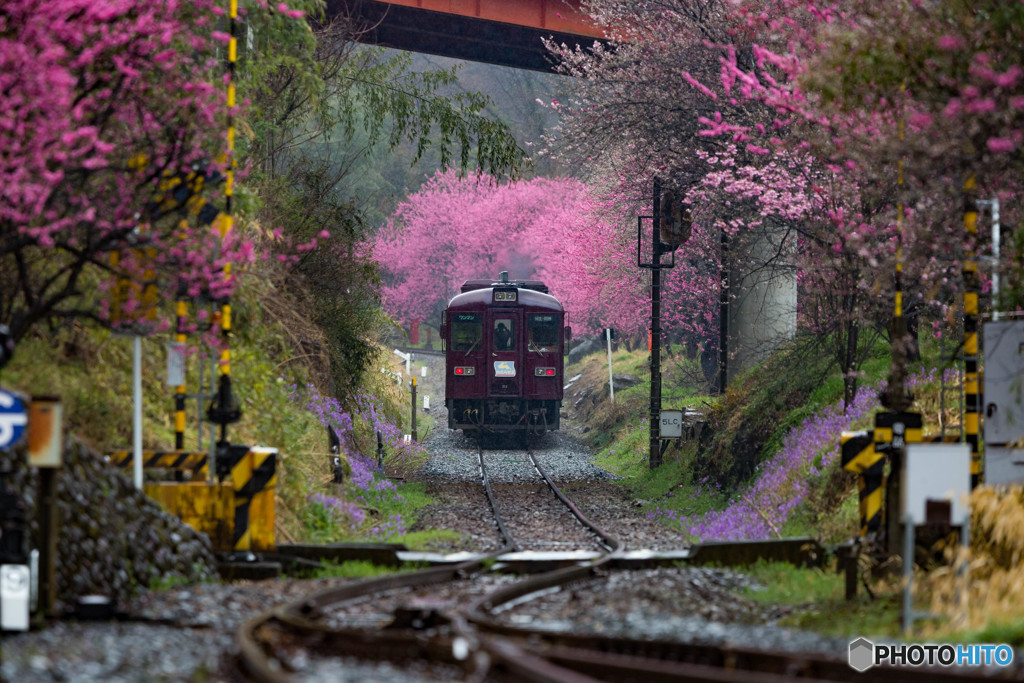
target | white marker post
x=407, y=357
x=611, y=382
x=137, y=410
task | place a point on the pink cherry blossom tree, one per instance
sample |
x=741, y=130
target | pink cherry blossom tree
x=457, y=229
x=106, y=104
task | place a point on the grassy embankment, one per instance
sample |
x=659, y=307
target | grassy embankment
x=90, y=370
x=770, y=468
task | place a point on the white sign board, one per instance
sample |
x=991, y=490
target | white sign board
x=175, y=364
x=937, y=471
x=504, y=368
x=671, y=424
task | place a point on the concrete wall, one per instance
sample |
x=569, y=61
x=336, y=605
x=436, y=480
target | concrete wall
x=762, y=307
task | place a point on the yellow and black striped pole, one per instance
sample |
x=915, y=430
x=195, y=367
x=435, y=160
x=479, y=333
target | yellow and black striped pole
x=972, y=400
x=229, y=183
x=180, y=337
x=897, y=393
x=224, y=410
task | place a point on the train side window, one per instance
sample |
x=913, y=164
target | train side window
x=543, y=332
x=504, y=334
x=467, y=331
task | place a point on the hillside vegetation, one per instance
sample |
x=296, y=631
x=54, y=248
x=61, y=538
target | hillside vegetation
x=766, y=465
x=278, y=360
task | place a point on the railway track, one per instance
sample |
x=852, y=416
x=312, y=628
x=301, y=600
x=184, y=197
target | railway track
x=411, y=615
x=448, y=616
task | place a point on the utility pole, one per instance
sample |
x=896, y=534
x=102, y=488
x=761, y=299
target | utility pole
x=655, y=452
x=675, y=223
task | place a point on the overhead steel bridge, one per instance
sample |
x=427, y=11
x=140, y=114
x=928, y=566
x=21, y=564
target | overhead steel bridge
x=503, y=32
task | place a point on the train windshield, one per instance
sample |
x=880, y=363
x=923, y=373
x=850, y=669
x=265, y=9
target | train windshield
x=543, y=332
x=504, y=334
x=467, y=331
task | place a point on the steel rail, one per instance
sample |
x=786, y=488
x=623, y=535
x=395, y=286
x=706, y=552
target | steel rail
x=610, y=543
x=623, y=658
x=302, y=615
x=673, y=661
x=510, y=543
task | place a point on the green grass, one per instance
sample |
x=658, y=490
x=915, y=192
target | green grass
x=1011, y=632
x=785, y=584
x=818, y=599
x=360, y=569
x=427, y=540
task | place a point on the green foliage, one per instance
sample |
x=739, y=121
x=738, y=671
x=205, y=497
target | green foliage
x=783, y=583
x=167, y=582
x=1011, y=632
x=395, y=104
x=428, y=540
x=360, y=569
x=817, y=596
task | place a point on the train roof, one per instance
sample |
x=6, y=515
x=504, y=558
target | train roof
x=535, y=285
x=527, y=297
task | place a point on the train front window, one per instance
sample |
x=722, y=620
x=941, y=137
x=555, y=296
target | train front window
x=467, y=331
x=543, y=333
x=504, y=334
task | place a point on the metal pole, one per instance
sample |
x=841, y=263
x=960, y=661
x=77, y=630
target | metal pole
x=908, y=573
x=414, y=435
x=993, y=207
x=611, y=383
x=971, y=289
x=212, y=446
x=655, y=450
x=137, y=410
x=48, y=519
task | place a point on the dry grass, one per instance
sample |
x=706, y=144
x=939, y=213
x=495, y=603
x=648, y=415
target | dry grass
x=995, y=574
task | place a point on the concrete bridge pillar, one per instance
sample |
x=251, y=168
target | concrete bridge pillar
x=763, y=300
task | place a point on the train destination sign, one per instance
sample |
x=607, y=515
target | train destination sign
x=504, y=368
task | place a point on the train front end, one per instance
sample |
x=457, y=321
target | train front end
x=504, y=345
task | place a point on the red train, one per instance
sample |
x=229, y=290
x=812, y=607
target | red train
x=504, y=349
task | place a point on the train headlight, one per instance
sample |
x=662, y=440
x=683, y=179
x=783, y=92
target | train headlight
x=465, y=371
x=544, y=372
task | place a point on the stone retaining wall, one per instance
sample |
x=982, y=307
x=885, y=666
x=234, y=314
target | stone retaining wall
x=113, y=539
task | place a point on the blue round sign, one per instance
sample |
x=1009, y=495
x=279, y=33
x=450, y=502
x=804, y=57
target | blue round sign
x=13, y=419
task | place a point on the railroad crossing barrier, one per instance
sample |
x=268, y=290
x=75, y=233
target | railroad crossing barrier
x=254, y=478
x=196, y=462
x=859, y=456
x=237, y=515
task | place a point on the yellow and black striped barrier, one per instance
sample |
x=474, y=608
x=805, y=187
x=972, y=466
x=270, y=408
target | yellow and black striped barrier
x=859, y=456
x=254, y=477
x=237, y=515
x=171, y=460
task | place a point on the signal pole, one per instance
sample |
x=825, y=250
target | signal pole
x=655, y=452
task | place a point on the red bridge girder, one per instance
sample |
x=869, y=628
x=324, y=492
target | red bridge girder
x=563, y=16
x=503, y=32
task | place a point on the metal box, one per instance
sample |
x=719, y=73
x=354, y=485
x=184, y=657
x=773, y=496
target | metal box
x=1003, y=407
